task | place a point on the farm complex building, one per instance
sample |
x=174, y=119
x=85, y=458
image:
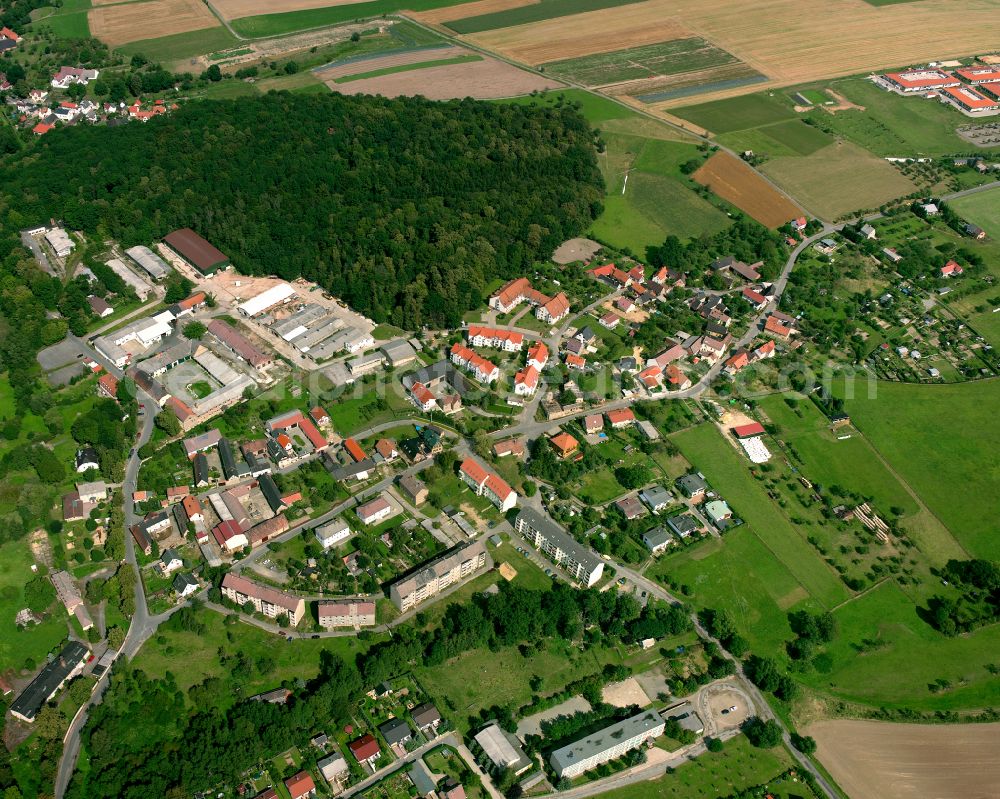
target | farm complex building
x=921, y=80
x=968, y=99
x=202, y=255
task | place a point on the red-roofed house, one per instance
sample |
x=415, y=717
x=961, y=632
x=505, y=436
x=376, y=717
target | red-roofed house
x=765, y=350
x=526, y=381
x=506, y=340
x=776, y=328
x=756, y=299
x=107, y=386
x=300, y=785
x=749, y=430
x=737, y=362
x=951, y=269
x=422, y=397
x=564, y=444
x=42, y=128
x=483, y=370
x=576, y=361
x=554, y=310
x=7, y=33
x=677, y=378
x=365, y=749
x=610, y=320
x=229, y=535
x=375, y=511
x=593, y=423
x=487, y=484
x=651, y=377
x=192, y=302
x=538, y=355
x=920, y=80
x=320, y=417
x=621, y=418
x=510, y=295
x=387, y=449
x=354, y=450
x=512, y=446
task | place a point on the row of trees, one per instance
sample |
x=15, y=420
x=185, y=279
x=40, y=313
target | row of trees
x=977, y=602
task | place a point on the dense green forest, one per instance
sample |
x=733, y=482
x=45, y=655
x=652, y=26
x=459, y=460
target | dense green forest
x=405, y=208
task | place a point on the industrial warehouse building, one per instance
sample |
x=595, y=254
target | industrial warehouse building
x=50, y=679
x=152, y=263
x=202, y=255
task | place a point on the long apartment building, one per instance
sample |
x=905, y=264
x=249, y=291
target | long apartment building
x=346, y=613
x=269, y=601
x=487, y=484
x=607, y=744
x=450, y=567
x=581, y=562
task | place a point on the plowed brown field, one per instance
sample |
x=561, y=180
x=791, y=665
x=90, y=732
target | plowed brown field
x=882, y=760
x=132, y=22
x=234, y=9
x=737, y=183
x=438, y=15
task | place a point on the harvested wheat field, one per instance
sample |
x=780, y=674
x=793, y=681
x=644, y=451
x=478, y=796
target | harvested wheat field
x=485, y=79
x=131, y=22
x=737, y=183
x=789, y=41
x=360, y=66
x=436, y=16
x=234, y=9
x=882, y=760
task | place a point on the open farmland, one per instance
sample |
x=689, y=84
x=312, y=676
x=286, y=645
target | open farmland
x=737, y=183
x=476, y=8
x=130, y=22
x=638, y=63
x=364, y=65
x=787, y=40
x=233, y=9
x=943, y=441
x=880, y=760
x=839, y=179
x=455, y=78
x=525, y=13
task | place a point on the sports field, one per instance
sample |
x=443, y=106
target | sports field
x=734, y=181
x=879, y=760
x=130, y=22
x=838, y=179
x=981, y=209
x=943, y=440
x=638, y=63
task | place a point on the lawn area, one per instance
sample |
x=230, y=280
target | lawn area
x=739, y=574
x=891, y=125
x=351, y=414
x=386, y=332
x=981, y=209
x=908, y=657
x=838, y=179
x=67, y=24
x=200, y=659
x=182, y=46
x=544, y=9
x=299, y=82
x=728, y=473
x=16, y=646
x=855, y=466
x=736, y=113
x=265, y=25
x=738, y=767
x=943, y=440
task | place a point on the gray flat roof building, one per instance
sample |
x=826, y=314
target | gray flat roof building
x=149, y=261
x=399, y=352
x=49, y=680
x=502, y=749
x=607, y=744
x=580, y=561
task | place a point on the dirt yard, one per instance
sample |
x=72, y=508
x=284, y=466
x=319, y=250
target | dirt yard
x=387, y=61
x=734, y=181
x=787, y=40
x=486, y=79
x=478, y=7
x=625, y=693
x=233, y=9
x=723, y=700
x=132, y=22
x=882, y=760
x=575, y=250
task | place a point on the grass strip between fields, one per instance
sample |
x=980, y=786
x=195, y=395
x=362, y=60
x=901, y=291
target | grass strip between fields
x=377, y=73
x=538, y=12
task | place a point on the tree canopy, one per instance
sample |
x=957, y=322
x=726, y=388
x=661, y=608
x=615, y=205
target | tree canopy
x=407, y=209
